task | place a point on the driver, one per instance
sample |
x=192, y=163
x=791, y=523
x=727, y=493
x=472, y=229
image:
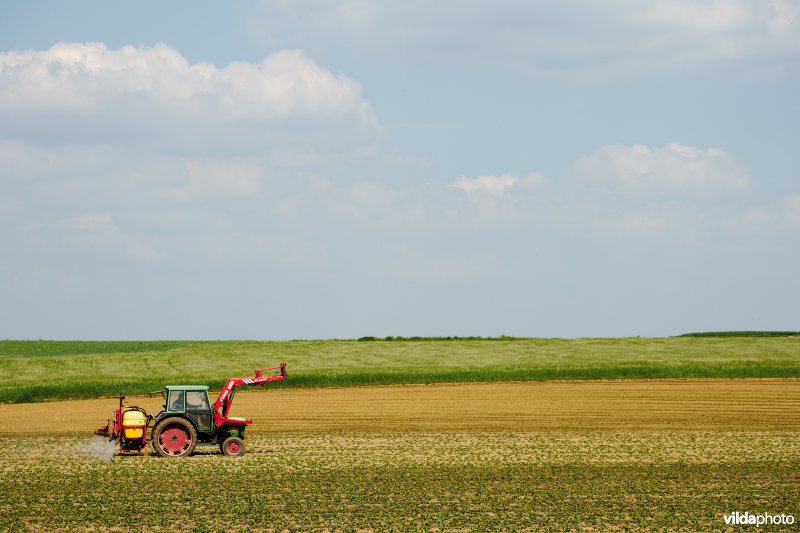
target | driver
x=177, y=402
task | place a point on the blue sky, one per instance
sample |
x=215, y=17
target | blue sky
x=307, y=169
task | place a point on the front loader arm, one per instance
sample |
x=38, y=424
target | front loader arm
x=222, y=406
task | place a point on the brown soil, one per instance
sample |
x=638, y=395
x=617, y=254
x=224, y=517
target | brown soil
x=629, y=405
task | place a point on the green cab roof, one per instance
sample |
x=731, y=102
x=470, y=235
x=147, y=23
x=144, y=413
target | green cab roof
x=186, y=387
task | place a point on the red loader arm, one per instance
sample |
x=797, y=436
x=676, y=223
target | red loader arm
x=222, y=406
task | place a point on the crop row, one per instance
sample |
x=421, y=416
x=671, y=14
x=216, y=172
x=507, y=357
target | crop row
x=475, y=482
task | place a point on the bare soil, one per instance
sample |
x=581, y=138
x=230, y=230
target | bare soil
x=625, y=405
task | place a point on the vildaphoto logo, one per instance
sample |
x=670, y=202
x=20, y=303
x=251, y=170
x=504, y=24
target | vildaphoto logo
x=763, y=519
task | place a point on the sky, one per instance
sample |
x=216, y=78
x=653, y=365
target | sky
x=306, y=169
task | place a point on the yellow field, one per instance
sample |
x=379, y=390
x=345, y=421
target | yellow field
x=628, y=405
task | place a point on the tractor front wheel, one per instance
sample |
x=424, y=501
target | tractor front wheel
x=174, y=437
x=232, y=447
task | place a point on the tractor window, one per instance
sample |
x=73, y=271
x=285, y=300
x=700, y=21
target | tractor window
x=197, y=400
x=176, y=400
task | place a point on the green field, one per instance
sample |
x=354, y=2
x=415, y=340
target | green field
x=408, y=482
x=38, y=370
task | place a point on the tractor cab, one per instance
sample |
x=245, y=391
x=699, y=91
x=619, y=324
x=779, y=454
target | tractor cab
x=191, y=400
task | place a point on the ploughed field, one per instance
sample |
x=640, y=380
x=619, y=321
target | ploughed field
x=635, y=454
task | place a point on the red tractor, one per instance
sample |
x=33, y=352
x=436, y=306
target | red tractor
x=187, y=419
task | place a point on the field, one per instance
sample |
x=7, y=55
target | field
x=399, y=482
x=623, y=405
x=37, y=370
x=508, y=448
x=593, y=455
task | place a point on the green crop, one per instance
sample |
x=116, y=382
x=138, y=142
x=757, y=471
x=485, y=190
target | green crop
x=36, y=370
x=409, y=482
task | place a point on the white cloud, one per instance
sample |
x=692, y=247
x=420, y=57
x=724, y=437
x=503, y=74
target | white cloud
x=496, y=185
x=158, y=206
x=671, y=169
x=763, y=23
x=489, y=201
x=114, y=174
x=211, y=179
x=87, y=79
x=576, y=37
x=24, y=161
x=366, y=204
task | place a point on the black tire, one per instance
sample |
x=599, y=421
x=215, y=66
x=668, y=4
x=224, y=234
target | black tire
x=174, y=437
x=232, y=447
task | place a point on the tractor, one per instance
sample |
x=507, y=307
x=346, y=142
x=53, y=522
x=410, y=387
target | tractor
x=188, y=419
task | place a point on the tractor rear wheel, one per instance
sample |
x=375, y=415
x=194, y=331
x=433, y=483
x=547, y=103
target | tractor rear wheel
x=174, y=437
x=232, y=447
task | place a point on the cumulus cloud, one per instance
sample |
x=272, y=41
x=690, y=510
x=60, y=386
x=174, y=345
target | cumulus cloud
x=113, y=174
x=497, y=185
x=489, y=201
x=89, y=80
x=671, y=169
x=210, y=179
x=585, y=37
x=25, y=161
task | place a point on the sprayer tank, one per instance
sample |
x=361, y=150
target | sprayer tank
x=133, y=423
